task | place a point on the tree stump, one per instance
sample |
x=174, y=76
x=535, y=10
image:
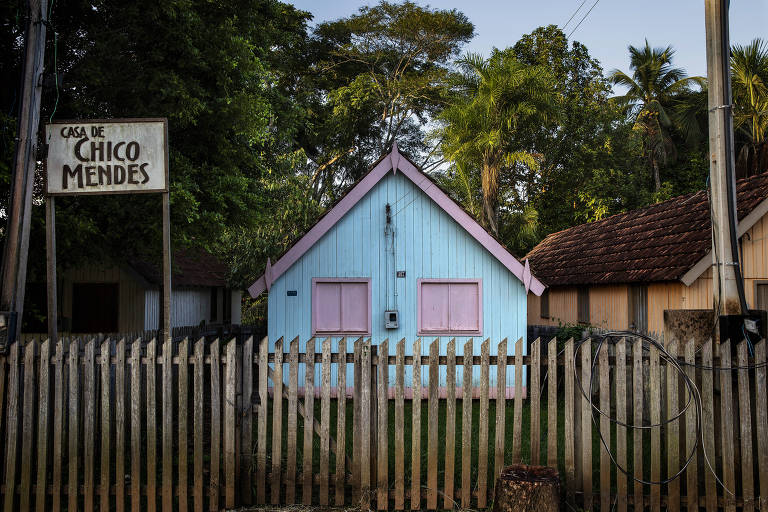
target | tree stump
x=521, y=487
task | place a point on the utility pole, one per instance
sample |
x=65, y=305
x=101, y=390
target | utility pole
x=14, y=271
x=726, y=283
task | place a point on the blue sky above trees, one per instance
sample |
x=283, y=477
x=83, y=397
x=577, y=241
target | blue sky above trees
x=607, y=31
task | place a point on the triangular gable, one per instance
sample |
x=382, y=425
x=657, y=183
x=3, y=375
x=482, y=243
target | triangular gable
x=395, y=161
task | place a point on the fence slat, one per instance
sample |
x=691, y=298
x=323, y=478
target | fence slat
x=230, y=401
x=654, y=401
x=621, y=417
x=28, y=424
x=136, y=426
x=58, y=423
x=586, y=424
x=400, y=425
x=708, y=424
x=152, y=425
x=292, y=427
x=215, y=479
x=761, y=413
x=450, y=424
x=691, y=434
x=535, y=394
x=673, y=431
x=120, y=424
x=167, y=421
x=325, y=419
x=552, y=403
x=745, y=415
x=356, y=424
x=42, y=425
x=89, y=419
x=570, y=455
x=12, y=428
x=183, y=413
x=341, y=422
x=277, y=424
x=482, y=459
x=727, y=447
x=309, y=418
x=365, y=424
x=605, y=429
x=501, y=401
x=73, y=472
x=517, y=427
x=416, y=428
x=105, y=355
x=466, y=425
x=434, y=369
x=382, y=499
x=637, y=419
x=261, y=418
x=197, y=406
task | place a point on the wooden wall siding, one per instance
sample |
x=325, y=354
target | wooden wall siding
x=562, y=307
x=428, y=244
x=189, y=306
x=608, y=307
x=131, y=292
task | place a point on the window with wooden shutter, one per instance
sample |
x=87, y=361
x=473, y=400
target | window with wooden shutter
x=582, y=304
x=544, y=304
x=341, y=306
x=450, y=306
x=761, y=295
x=637, y=305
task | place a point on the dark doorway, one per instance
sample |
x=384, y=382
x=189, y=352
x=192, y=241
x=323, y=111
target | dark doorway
x=95, y=307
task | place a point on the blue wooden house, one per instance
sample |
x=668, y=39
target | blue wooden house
x=397, y=258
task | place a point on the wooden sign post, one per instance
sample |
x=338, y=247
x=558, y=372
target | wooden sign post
x=113, y=156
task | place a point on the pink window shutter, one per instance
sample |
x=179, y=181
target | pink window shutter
x=326, y=307
x=464, y=309
x=354, y=307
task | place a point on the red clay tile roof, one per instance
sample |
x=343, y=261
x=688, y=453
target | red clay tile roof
x=190, y=268
x=658, y=243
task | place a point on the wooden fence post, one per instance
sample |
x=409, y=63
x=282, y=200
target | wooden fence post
x=230, y=404
x=341, y=423
x=382, y=473
x=28, y=424
x=416, y=428
x=400, y=425
x=501, y=402
x=277, y=424
x=450, y=424
x=466, y=424
x=309, y=418
x=535, y=397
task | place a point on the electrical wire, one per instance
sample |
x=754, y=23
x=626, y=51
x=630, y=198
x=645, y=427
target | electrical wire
x=692, y=398
x=584, y=18
x=573, y=15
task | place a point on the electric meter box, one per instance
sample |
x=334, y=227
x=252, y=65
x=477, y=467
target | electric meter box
x=391, y=318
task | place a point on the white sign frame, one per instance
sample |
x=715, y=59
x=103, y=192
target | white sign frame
x=89, y=125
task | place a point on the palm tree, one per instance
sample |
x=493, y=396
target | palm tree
x=651, y=90
x=749, y=79
x=495, y=98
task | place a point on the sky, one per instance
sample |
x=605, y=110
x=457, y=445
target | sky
x=607, y=31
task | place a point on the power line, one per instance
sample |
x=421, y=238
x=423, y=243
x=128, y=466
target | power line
x=585, y=17
x=574, y=14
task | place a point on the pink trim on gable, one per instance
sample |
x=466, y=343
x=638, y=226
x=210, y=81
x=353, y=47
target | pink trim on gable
x=468, y=223
x=361, y=189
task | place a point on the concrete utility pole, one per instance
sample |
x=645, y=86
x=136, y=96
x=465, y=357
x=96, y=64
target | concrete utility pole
x=14, y=272
x=725, y=284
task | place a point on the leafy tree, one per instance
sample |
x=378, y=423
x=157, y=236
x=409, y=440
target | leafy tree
x=496, y=98
x=749, y=78
x=652, y=88
x=371, y=78
x=211, y=69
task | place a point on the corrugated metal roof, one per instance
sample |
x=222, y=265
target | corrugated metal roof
x=657, y=243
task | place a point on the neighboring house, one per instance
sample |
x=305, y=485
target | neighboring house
x=125, y=298
x=397, y=258
x=622, y=272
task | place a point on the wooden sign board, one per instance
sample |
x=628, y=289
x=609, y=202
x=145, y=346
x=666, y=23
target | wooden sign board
x=111, y=156
x=116, y=156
